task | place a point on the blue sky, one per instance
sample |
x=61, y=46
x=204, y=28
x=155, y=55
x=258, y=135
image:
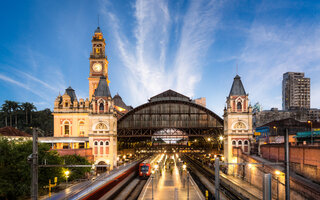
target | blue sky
x=192, y=47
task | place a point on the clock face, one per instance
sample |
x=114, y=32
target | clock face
x=97, y=67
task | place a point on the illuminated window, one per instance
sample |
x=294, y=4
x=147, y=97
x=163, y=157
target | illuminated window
x=66, y=146
x=66, y=128
x=81, y=128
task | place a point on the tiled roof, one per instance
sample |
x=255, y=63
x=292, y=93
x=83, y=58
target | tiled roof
x=237, y=88
x=103, y=88
x=71, y=93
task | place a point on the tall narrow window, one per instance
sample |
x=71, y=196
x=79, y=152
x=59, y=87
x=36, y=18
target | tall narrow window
x=101, y=107
x=81, y=128
x=239, y=106
x=66, y=128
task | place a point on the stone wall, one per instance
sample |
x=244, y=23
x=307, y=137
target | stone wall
x=81, y=152
x=304, y=160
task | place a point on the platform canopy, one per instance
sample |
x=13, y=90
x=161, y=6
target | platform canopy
x=169, y=110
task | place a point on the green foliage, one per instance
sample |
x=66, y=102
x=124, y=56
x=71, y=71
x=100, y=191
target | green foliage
x=24, y=115
x=15, y=172
x=76, y=172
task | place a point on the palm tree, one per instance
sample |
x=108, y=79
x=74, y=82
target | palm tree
x=9, y=107
x=5, y=109
x=15, y=108
x=28, y=108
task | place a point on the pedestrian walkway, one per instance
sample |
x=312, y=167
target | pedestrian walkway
x=171, y=185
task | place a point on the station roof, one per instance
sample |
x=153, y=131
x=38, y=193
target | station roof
x=169, y=95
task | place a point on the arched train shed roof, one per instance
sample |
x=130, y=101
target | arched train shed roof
x=169, y=110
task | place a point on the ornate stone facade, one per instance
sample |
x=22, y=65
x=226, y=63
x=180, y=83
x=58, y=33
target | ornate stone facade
x=237, y=121
x=90, y=123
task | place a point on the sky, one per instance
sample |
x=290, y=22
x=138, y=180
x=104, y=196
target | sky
x=192, y=47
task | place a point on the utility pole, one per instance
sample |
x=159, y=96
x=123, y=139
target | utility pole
x=287, y=164
x=217, y=177
x=267, y=187
x=34, y=166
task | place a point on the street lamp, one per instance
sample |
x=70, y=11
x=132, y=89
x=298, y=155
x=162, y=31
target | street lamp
x=209, y=139
x=67, y=176
x=277, y=176
x=274, y=127
x=152, y=172
x=249, y=166
x=184, y=166
x=310, y=122
x=108, y=167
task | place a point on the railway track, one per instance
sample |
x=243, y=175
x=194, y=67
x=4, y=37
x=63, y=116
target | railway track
x=132, y=190
x=224, y=188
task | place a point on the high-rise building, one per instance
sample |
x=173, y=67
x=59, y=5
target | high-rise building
x=295, y=91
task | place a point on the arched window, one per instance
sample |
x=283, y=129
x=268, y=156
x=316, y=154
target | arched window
x=101, y=107
x=107, y=143
x=81, y=128
x=66, y=127
x=95, y=143
x=239, y=142
x=101, y=126
x=246, y=142
x=239, y=106
x=101, y=143
x=233, y=142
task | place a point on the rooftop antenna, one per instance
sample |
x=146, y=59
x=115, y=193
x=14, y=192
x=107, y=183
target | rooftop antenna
x=98, y=21
x=237, y=69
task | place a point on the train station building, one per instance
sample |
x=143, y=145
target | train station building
x=88, y=127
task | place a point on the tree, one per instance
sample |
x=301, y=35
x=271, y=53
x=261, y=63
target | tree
x=15, y=176
x=11, y=107
x=77, y=172
x=28, y=108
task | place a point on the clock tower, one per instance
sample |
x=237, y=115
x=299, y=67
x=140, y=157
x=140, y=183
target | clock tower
x=237, y=122
x=98, y=61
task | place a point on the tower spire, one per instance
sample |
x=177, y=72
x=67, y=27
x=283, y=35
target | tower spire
x=237, y=69
x=98, y=21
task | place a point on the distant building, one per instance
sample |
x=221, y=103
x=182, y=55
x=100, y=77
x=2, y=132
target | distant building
x=295, y=91
x=303, y=115
x=201, y=101
x=120, y=107
x=11, y=133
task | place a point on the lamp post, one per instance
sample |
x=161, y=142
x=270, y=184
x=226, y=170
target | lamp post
x=152, y=172
x=67, y=176
x=108, y=165
x=250, y=166
x=221, y=140
x=310, y=122
x=277, y=176
x=276, y=129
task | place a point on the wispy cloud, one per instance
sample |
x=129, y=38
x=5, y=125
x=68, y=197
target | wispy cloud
x=20, y=84
x=158, y=35
x=271, y=51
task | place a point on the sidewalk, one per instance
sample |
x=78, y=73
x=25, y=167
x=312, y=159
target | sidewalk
x=170, y=186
